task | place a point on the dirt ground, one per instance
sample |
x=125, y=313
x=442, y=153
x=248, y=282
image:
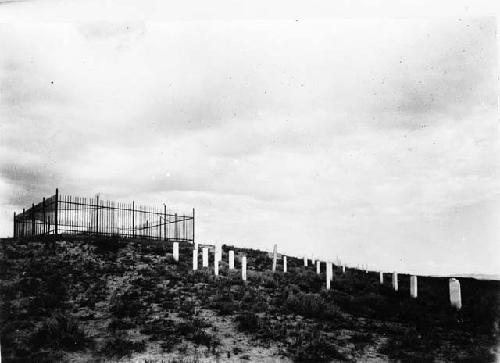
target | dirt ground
x=120, y=301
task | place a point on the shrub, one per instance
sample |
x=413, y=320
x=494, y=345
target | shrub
x=248, y=322
x=315, y=349
x=193, y=330
x=126, y=305
x=120, y=324
x=119, y=347
x=59, y=332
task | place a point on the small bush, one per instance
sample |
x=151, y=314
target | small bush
x=59, y=332
x=248, y=322
x=119, y=347
x=316, y=349
x=120, y=324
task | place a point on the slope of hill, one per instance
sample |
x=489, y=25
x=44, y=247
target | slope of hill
x=115, y=300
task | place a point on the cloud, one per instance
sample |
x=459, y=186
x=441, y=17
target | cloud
x=322, y=135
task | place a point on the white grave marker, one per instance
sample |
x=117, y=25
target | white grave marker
x=455, y=294
x=176, y=251
x=305, y=261
x=329, y=271
x=318, y=267
x=395, y=281
x=343, y=269
x=413, y=287
x=216, y=265
x=205, y=256
x=275, y=257
x=244, y=268
x=218, y=252
x=195, y=259
x=284, y=263
x=231, y=260
x=381, y=277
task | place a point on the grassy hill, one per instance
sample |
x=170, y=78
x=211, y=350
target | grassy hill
x=115, y=300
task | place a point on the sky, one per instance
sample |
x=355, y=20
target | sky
x=374, y=140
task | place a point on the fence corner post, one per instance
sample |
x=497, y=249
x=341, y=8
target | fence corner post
x=56, y=212
x=33, y=219
x=193, y=227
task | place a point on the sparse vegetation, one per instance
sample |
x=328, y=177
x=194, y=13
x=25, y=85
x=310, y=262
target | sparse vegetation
x=116, y=298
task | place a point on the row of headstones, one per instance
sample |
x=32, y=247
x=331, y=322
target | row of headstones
x=454, y=284
x=454, y=288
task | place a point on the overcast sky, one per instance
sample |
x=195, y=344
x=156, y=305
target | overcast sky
x=374, y=140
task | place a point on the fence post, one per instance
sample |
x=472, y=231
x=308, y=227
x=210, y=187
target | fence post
x=44, y=216
x=343, y=269
x=275, y=257
x=97, y=215
x=56, y=217
x=193, y=226
x=284, y=264
x=33, y=219
x=305, y=261
x=176, y=230
x=165, y=221
x=133, y=219
x=318, y=267
x=14, y=220
x=23, y=229
x=381, y=277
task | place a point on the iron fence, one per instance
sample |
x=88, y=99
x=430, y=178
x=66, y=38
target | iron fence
x=66, y=214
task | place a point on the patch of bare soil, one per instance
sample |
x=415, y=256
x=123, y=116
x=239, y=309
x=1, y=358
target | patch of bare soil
x=111, y=300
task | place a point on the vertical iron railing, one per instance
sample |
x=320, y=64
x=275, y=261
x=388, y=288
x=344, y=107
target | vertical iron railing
x=66, y=214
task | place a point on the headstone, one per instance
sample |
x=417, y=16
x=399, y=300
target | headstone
x=381, y=277
x=218, y=252
x=318, y=267
x=205, y=256
x=244, y=268
x=231, y=260
x=329, y=271
x=195, y=259
x=343, y=269
x=284, y=263
x=305, y=261
x=395, y=281
x=413, y=286
x=176, y=251
x=455, y=294
x=216, y=265
x=275, y=257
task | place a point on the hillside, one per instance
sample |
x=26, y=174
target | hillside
x=88, y=300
